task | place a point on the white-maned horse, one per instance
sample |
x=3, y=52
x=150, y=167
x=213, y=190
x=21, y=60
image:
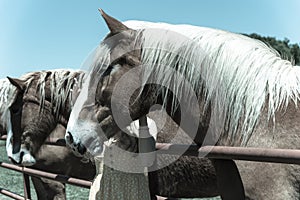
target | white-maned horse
x=220, y=87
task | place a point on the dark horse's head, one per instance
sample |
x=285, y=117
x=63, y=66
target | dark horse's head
x=114, y=94
x=41, y=101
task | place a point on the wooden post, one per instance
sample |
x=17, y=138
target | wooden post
x=146, y=143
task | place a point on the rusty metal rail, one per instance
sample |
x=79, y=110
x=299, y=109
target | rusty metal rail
x=11, y=194
x=56, y=177
x=37, y=173
x=287, y=156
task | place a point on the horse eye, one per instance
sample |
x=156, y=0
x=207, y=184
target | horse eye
x=98, y=102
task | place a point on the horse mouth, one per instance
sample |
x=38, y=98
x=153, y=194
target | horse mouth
x=13, y=161
x=22, y=158
x=78, y=149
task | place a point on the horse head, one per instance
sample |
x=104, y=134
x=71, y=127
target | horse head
x=40, y=103
x=123, y=85
x=28, y=123
x=91, y=117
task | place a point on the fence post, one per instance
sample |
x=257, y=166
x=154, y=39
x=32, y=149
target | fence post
x=26, y=182
x=146, y=143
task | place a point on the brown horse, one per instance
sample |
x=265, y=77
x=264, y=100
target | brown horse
x=47, y=157
x=45, y=189
x=37, y=107
x=221, y=88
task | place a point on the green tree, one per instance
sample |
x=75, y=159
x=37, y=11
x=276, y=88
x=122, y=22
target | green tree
x=285, y=49
x=295, y=50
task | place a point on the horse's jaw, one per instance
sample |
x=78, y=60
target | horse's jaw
x=28, y=159
x=22, y=157
x=83, y=139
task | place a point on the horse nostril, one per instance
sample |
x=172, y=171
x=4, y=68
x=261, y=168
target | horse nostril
x=81, y=149
x=69, y=138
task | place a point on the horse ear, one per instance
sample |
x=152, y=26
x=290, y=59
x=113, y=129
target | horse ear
x=20, y=84
x=114, y=25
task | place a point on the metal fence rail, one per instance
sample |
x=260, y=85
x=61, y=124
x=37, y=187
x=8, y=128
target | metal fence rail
x=37, y=173
x=11, y=194
x=288, y=156
x=56, y=177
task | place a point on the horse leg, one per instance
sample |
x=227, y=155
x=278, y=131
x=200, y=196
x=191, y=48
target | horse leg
x=229, y=181
x=55, y=190
x=48, y=190
x=39, y=188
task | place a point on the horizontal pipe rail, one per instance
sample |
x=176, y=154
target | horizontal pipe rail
x=11, y=194
x=50, y=141
x=56, y=177
x=287, y=156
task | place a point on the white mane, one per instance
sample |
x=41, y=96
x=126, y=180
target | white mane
x=6, y=92
x=238, y=73
x=62, y=82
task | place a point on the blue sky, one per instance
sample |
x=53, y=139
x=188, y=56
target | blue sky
x=49, y=34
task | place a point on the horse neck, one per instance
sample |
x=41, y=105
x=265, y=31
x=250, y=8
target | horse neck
x=194, y=123
x=58, y=132
x=272, y=112
x=234, y=70
x=64, y=116
x=63, y=113
x=281, y=107
x=61, y=104
x=280, y=131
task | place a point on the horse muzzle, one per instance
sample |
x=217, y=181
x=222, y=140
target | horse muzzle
x=78, y=148
x=23, y=158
